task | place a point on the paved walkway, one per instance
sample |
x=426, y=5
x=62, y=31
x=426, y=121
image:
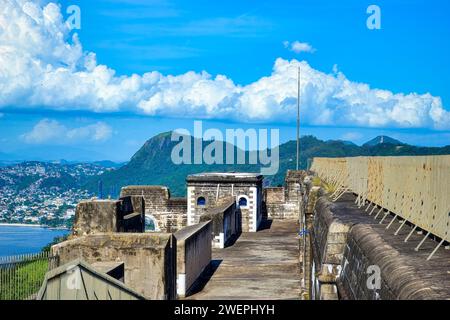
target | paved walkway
x=260, y=265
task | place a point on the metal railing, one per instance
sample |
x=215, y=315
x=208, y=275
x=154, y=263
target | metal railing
x=21, y=276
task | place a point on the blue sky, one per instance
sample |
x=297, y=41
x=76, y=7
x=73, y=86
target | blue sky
x=242, y=41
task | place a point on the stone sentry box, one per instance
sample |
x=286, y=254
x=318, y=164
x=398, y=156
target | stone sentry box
x=206, y=190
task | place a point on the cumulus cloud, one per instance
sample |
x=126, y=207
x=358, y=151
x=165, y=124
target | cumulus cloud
x=42, y=65
x=48, y=130
x=299, y=47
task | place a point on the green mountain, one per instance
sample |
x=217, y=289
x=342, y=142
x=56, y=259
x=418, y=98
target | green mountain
x=152, y=163
x=381, y=140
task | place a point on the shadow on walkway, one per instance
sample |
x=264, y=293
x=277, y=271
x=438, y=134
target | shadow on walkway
x=205, y=277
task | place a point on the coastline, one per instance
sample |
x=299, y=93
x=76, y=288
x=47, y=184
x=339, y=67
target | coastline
x=22, y=225
x=3, y=224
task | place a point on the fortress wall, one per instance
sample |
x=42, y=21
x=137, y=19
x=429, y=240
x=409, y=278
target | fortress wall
x=170, y=214
x=226, y=222
x=276, y=205
x=149, y=259
x=328, y=243
x=366, y=250
x=96, y=216
x=286, y=202
x=193, y=255
x=350, y=249
x=415, y=188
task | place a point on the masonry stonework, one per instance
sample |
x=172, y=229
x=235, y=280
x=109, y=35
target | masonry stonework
x=206, y=190
x=168, y=214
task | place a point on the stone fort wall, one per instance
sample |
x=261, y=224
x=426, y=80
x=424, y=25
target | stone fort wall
x=169, y=214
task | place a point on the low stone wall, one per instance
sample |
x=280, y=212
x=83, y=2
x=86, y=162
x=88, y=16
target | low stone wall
x=366, y=250
x=193, y=255
x=277, y=207
x=149, y=258
x=226, y=222
x=328, y=243
x=124, y=215
x=287, y=202
x=356, y=257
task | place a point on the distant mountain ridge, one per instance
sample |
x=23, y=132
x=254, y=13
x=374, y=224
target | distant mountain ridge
x=381, y=140
x=152, y=163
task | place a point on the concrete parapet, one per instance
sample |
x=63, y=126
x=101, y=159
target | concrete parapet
x=149, y=259
x=226, y=222
x=193, y=254
x=357, y=257
x=398, y=278
x=96, y=216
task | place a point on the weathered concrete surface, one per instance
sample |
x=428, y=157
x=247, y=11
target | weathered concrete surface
x=194, y=251
x=261, y=265
x=149, y=259
x=342, y=257
x=97, y=216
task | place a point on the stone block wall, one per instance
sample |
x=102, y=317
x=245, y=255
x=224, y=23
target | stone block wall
x=286, y=202
x=349, y=247
x=149, y=259
x=213, y=190
x=193, y=255
x=328, y=243
x=398, y=278
x=169, y=214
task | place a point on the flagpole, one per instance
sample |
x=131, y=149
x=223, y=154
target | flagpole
x=298, y=119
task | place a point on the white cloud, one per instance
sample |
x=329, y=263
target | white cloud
x=51, y=131
x=41, y=67
x=299, y=47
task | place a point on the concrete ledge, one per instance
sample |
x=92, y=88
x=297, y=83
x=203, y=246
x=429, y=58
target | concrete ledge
x=225, y=222
x=193, y=255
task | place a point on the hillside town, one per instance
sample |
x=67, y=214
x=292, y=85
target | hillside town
x=44, y=193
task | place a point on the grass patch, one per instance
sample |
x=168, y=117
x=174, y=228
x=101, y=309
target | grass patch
x=21, y=280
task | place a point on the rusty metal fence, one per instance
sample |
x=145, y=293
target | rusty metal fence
x=415, y=188
x=21, y=276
